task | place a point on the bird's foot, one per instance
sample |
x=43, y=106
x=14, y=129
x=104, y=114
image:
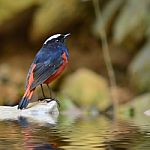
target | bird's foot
x=43, y=99
x=47, y=99
x=53, y=99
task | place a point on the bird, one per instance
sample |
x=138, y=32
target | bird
x=48, y=64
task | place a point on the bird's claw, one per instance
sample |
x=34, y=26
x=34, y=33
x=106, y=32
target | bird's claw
x=45, y=99
x=53, y=99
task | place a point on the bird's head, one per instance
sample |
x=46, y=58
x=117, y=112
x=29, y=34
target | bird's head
x=56, y=38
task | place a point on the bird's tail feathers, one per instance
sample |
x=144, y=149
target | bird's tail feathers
x=25, y=100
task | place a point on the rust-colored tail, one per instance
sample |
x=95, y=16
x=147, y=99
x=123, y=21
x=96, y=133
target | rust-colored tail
x=25, y=99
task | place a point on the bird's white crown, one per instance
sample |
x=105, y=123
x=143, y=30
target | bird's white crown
x=52, y=37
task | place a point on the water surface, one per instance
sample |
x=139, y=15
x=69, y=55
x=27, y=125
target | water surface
x=85, y=133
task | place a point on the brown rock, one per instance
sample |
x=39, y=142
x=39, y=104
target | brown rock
x=87, y=89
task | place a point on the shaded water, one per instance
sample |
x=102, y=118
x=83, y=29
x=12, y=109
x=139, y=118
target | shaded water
x=84, y=134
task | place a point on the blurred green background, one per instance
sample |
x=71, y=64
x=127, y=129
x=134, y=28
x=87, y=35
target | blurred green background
x=26, y=24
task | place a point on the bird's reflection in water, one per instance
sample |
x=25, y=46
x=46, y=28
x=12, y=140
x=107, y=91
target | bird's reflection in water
x=28, y=134
x=46, y=147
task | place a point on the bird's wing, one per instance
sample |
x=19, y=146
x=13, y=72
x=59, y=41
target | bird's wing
x=43, y=71
x=28, y=76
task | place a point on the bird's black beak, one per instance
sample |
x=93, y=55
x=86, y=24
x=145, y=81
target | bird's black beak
x=66, y=35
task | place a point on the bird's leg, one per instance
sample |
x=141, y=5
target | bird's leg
x=44, y=97
x=51, y=98
x=43, y=91
x=50, y=91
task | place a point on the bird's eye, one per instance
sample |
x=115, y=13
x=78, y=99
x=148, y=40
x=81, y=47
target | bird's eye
x=57, y=40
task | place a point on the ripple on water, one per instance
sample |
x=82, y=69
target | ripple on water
x=82, y=134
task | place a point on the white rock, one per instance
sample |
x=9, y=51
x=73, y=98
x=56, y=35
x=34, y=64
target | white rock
x=39, y=112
